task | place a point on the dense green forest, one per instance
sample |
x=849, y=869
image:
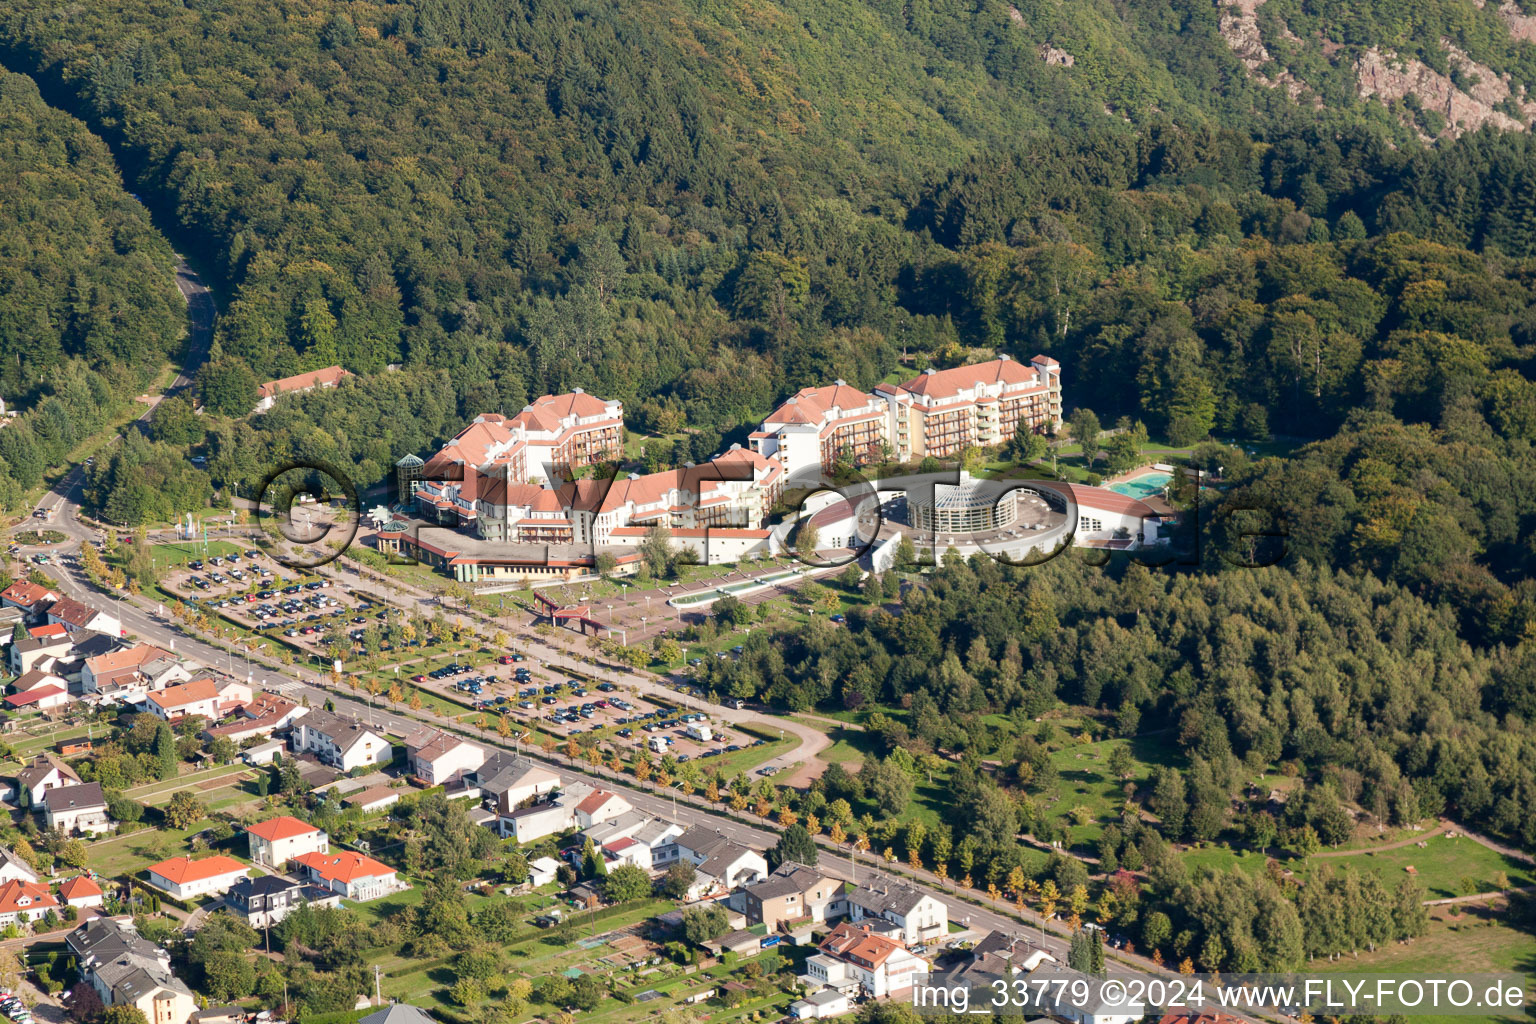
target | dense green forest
x=518, y=194
x=88, y=304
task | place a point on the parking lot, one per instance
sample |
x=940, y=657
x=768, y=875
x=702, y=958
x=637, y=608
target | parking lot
x=252, y=591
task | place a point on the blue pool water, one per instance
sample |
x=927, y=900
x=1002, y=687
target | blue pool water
x=1143, y=486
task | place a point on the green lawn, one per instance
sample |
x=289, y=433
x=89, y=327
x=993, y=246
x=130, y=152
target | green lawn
x=1474, y=940
x=1442, y=865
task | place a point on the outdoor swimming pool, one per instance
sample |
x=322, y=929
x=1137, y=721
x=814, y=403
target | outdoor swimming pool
x=1143, y=486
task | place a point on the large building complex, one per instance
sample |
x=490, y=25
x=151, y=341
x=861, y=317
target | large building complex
x=508, y=482
x=938, y=413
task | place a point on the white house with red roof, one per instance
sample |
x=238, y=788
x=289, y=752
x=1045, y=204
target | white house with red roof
x=276, y=841
x=81, y=891
x=22, y=902
x=77, y=615
x=184, y=877
x=199, y=697
x=351, y=874
x=31, y=598
x=437, y=757
x=266, y=394
x=261, y=716
x=599, y=806
x=129, y=674
x=858, y=958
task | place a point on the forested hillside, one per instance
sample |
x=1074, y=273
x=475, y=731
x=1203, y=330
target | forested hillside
x=88, y=303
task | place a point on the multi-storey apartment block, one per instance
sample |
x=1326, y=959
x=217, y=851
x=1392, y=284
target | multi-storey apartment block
x=541, y=445
x=938, y=413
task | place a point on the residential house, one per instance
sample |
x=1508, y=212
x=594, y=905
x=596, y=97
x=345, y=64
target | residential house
x=81, y=809
x=263, y=715
x=13, y=867
x=185, y=878
x=127, y=969
x=721, y=864
x=650, y=833
x=23, y=902
x=128, y=674
x=437, y=757
x=917, y=915
x=45, y=772
x=32, y=599
x=854, y=958
x=38, y=652
x=793, y=892
x=351, y=874
x=77, y=615
x=198, y=698
x=599, y=806
x=266, y=394
x=277, y=840
x=512, y=781
x=339, y=742
x=81, y=891
x=266, y=899
x=1020, y=955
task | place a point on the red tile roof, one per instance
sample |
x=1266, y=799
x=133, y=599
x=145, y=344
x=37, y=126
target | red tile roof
x=947, y=383
x=32, y=696
x=79, y=887
x=281, y=827
x=344, y=866
x=184, y=694
x=328, y=377
x=18, y=894
x=26, y=594
x=181, y=870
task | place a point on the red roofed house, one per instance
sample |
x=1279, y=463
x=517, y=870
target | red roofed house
x=351, y=874
x=598, y=807
x=199, y=697
x=77, y=615
x=52, y=629
x=262, y=716
x=184, y=877
x=276, y=841
x=437, y=757
x=267, y=393
x=22, y=901
x=29, y=597
x=81, y=891
x=855, y=956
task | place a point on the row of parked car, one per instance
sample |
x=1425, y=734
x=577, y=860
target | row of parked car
x=12, y=1006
